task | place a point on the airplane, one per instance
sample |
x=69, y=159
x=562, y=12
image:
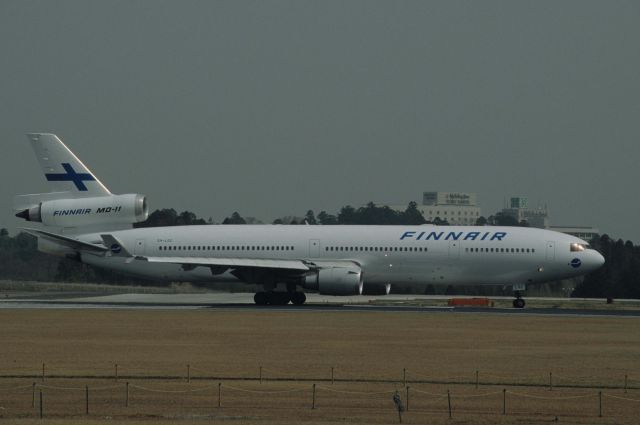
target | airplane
x=81, y=219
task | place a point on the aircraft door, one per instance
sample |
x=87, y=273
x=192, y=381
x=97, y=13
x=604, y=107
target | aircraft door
x=138, y=249
x=454, y=250
x=314, y=248
x=551, y=250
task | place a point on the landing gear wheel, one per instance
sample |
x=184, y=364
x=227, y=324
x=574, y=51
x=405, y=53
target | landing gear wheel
x=260, y=298
x=278, y=298
x=298, y=298
x=518, y=303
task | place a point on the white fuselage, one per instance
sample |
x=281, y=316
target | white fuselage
x=417, y=255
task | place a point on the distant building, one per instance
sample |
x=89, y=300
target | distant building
x=457, y=208
x=583, y=232
x=539, y=217
x=519, y=209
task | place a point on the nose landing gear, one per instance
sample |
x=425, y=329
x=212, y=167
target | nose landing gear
x=518, y=302
x=517, y=292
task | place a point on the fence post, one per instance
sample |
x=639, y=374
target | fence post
x=33, y=395
x=116, y=371
x=504, y=401
x=407, y=399
x=42, y=371
x=599, y=404
x=188, y=373
x=625, y=383
x=331, y=375
x=126, y=402
x=86, y=399
x=550, y=381
x=313, y=397
x=260, y=374
x=40, y=404
x=219, y=394
x=449, y=401
x=477, y=379
x=404, y=377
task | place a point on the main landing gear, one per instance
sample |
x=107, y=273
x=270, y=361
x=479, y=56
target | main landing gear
x=279, y=298
x=519, y=301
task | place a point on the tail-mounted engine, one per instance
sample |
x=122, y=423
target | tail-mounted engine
x=115, y=209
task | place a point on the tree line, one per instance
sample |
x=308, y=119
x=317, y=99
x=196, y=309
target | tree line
x=20, y=259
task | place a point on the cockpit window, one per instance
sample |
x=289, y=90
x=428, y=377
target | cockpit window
x=577, y=247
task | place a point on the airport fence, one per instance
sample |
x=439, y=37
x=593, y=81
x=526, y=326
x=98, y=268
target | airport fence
x=188, y=372
x=52, y=393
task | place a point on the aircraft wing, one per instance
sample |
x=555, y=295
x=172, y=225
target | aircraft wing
x=230, y=262
x=259, y=263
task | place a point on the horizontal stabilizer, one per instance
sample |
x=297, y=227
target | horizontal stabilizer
x=24, y=202
x=66, y=241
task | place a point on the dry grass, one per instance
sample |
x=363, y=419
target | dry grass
x=579, y=351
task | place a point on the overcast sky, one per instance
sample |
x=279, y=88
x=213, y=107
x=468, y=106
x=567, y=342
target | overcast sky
x=271, y=108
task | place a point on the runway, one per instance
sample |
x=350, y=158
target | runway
x=315, y=302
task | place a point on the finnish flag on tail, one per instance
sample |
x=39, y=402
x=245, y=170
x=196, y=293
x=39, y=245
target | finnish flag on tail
x=63, y=170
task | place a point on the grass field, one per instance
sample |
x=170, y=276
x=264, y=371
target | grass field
x=434, y=352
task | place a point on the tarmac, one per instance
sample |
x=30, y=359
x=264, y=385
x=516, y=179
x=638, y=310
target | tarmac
x=315, y=302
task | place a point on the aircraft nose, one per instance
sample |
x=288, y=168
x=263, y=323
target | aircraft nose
x=596, y=260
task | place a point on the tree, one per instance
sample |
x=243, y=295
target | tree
x=234, y=219
x=187, y=218
x=159, y=218
x=440, y=222
x=169, y=217
x=327, y=219
x=310, y=218
x=347, y=215
x=481, y=221
x=4, y=233
x=619, y=277
x=412, y=215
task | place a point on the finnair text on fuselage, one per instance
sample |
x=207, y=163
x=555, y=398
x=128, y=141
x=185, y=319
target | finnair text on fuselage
x=454, y=236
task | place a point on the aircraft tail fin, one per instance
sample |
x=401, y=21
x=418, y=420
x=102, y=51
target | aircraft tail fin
x=63, y=170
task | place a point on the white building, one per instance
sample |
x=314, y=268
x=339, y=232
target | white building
x=457, y=208
x=519, y=209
